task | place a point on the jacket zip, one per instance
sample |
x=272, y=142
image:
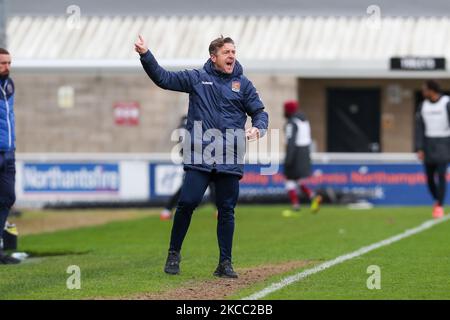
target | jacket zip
x=7, y=112
x=222, y=81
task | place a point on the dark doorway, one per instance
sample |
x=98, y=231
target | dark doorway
x=353, y=120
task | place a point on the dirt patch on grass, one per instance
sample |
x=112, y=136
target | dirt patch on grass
x=219, y=288
x=33, y=222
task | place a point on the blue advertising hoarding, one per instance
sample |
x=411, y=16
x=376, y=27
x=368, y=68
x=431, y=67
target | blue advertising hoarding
x=70, y=178
x=380, y=184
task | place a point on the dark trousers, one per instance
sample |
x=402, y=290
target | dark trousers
x=194, y=186
x=173, y=200
x=437, y=186
x=7, y=185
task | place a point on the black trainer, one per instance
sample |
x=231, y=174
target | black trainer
x=4, y=259
x=173, y=263
x=225, y=270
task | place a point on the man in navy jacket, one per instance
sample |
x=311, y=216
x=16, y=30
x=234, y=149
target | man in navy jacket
x=220, y=99
x=7, y=148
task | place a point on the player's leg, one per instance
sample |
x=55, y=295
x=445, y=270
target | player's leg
x=227, y=192
x=291, y=188
x=305, y=189
x=315, y=199
x=192, y=191
x=3, y=216
x=166, y=214
x=430, y=170
x=442, y=182
x=441, y=188
x=7, y=197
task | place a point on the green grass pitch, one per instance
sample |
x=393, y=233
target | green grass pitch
x=124, y=259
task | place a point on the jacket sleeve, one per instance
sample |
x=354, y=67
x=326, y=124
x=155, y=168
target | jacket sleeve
x=291, y=134
x=177, y=81
x=255, y=108
x=420, y=131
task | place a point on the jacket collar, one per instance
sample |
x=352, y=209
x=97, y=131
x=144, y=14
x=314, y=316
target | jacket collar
x=3, y=78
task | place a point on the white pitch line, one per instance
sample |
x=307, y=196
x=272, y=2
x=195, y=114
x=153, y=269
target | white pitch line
x=299, y=276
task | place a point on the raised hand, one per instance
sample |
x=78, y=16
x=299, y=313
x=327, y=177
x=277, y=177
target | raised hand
x=140, y=45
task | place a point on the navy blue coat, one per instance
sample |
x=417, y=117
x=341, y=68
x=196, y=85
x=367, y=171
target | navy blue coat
x=217, y=101
x=7, y=121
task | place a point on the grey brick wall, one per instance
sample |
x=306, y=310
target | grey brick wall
x=42, y=126
x=89, y=127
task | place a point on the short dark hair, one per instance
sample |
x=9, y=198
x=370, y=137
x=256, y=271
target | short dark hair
x=219, y=43
x=3, y=51
x=433, y=85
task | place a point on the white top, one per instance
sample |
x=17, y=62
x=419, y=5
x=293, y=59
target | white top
x=303, y=134
x=435, y=117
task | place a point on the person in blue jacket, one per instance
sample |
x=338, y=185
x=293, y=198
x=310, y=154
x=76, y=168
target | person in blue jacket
x=7, y=148
x=220, y=100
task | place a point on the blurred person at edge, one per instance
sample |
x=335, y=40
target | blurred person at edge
x=7, y=149
x=297, y=163
x=433, y=141
x=220, y=98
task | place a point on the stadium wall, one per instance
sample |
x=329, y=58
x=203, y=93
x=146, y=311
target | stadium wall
x=90, y=126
